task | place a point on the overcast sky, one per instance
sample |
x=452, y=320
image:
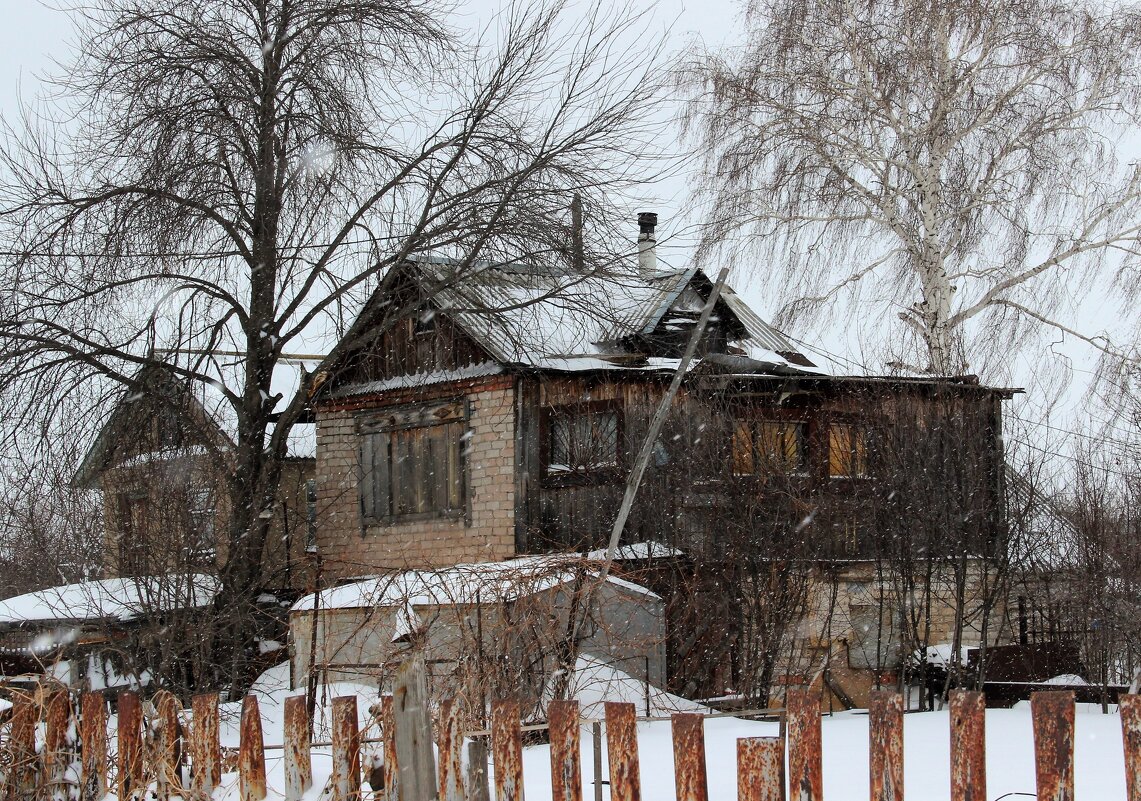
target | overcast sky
x=34, y=33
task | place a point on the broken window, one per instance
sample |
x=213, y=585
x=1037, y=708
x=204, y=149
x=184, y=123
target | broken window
x=767, y=446
x=582, y=439
x=847, y=451
x=200, y=507
x=311, y=516
x=412, y=463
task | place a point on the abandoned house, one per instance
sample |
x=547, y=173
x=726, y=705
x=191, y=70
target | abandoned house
x=160, y=461
x=500, y=419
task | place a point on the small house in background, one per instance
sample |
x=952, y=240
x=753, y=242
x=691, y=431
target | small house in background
x=485, y=630
x=498, y=413
x=100, y=635
x=161, y=462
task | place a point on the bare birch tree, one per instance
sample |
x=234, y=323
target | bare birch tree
x=222, y=181
x=951, y=165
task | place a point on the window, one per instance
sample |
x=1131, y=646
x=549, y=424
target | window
x=767, y=446
x=200, y=508
x=847, y=451
x=311, y=516
x=582, y=439
x=412, y=463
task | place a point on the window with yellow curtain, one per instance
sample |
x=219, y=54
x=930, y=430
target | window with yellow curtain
x=847, y=451
x=768, y=446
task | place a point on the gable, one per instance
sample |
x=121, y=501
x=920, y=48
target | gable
x=155, y=415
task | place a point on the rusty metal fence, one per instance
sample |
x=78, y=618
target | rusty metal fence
x=46, y=755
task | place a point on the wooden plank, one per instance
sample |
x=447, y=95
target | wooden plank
x=507, y=750
x=56, y=752
x=130, y=746
x=346, y=779
x=205, y=753
x=93, y=739
x=968, y=746
x=477, y=777
x=168, y=757
x=413, y=721
x=22, y=749
x=450, y=746
x=1053, y=716
x=622, y=752
x=805, y=762
x=760, y=769
x=885, y=735
x=251, y=753
x=566, y=768
x=298, y=764
x=391, y=768
x=1130, y=706
x=690, y=778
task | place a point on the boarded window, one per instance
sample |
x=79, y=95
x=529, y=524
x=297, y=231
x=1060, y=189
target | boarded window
x=582, y=439
x=768, y=446
x=412, y=463
x=847, y=451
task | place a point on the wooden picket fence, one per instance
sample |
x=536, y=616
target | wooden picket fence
x=66, y=760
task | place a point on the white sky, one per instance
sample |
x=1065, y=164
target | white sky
x=34, y=33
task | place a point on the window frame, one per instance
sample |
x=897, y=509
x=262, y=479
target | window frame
x=755, y=423
x=858, y=426
x=385, y=426
x=575, y=476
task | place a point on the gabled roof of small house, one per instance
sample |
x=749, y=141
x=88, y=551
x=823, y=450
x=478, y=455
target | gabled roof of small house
x=465, y=584
x=202, y=410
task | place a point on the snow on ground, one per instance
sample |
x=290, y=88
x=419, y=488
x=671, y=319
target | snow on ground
x=1010, y=757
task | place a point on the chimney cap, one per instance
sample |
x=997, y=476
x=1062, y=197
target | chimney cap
x=647, y=221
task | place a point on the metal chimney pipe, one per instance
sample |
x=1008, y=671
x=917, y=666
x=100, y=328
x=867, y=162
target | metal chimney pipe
x=647, y=242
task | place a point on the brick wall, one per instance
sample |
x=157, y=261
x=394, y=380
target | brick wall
x=349, y=549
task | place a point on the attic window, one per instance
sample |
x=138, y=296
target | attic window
x=582, y=439
x=412, y=463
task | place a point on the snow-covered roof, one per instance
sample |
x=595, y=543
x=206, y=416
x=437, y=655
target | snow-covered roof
x=120, y=599
x=546, y=319
x=485, y=582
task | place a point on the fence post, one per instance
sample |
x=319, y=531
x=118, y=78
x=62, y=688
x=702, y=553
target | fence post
x=93, y=736
x=968, y=746
x=22, y=747
x=1053, y=715
x=760, y=769
x=346, y=779
x=57, y=721
x=885, y=739
x=251, y=753
x=391, y=767
x=622, y=752
x=298, y=765
x=805, y=763
x=566, y=767
x=689, y=757
x=130, y=746
x=168, y=763
x=477, y=788
x=450, y=743
x=1130, y=707
x=411, y=711
x=507, y=750
x=205, y=755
